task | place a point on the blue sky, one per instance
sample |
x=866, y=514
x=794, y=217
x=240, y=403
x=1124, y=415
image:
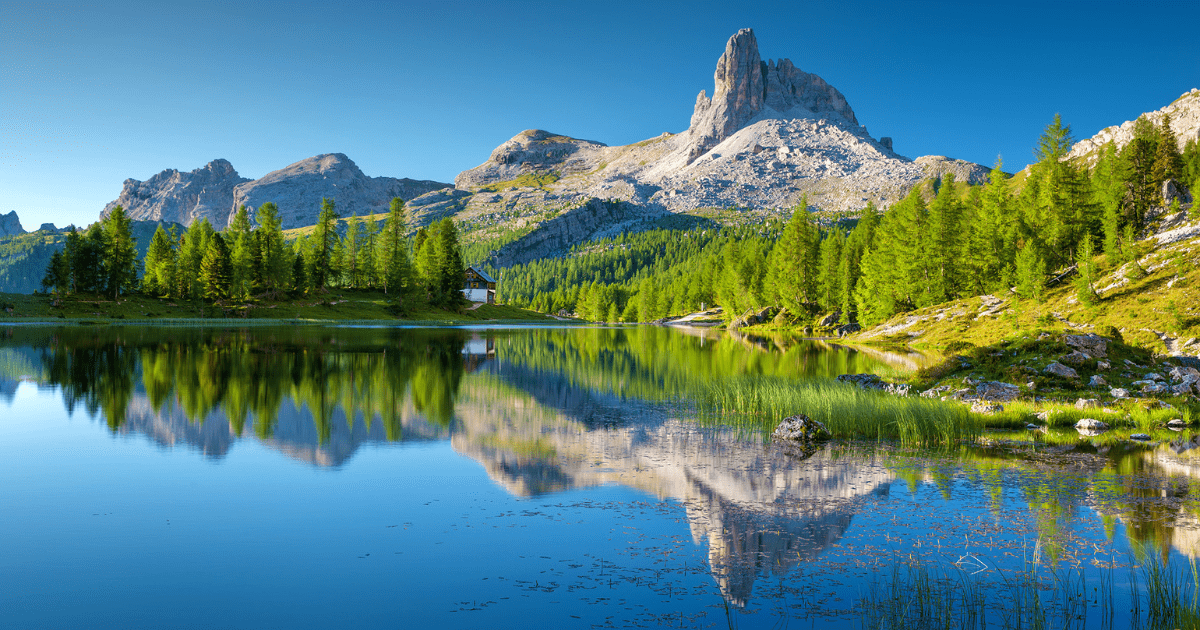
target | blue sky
x=92, y=95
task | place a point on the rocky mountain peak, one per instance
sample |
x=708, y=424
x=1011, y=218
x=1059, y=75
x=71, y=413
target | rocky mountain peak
x=1185, y=122
x=746, y=88
x=10, y=225
x=181, y=197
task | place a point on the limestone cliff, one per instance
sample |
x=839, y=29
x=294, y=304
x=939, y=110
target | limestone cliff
x=1185, y=122
x=10, y=225
x=181, y=197
x=770, y=136
x=215, y=191
x=299, y=188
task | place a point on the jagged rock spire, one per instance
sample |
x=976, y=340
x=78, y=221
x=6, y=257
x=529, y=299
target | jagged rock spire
x=744, y=86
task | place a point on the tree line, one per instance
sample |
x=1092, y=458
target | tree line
x=246, y=261
x=945, y=240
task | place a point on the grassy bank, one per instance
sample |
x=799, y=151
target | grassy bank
x=338, y=306
x=758, y=404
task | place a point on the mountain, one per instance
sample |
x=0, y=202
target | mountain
x=10, y=225
x=299, y=188
x=770, y=135
x=1185, y=122
x=180, y=197
x=215, y=191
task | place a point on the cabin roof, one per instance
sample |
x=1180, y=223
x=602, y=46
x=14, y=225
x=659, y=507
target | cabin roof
x=482, y=274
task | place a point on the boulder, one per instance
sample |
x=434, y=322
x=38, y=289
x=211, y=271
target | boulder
x=1118, y=392
x=995, y=390
x=1180, y=374
x=1091, y=423
x=1172, y=190
x=1061, y=370
x=1141, y=437
x=1176, y=422
x=1182, y=389
x=1097, y=381
x=1154, y=376
x=1155, y=388
x=1087, y=403
x=800, y=428
x=830, y=319
x=1093, y=345
x=1075, y=358
x=986, y=409
x=1103, y=365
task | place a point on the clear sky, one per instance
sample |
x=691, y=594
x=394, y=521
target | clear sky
x=94, y=93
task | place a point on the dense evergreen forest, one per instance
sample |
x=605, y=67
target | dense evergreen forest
x=246, y=261
x=945, y=240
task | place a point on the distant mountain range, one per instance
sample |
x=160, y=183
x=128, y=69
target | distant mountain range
x=769, y=136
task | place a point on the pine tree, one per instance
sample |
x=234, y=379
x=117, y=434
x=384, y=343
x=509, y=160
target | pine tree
x=1137, y=165
x=794, y=260
x=392, y=266
x=159, y=264
x=1087, y=272
x=943, y=244
x=1031, y=273
x=830, y=274
x=58, y=274
x=1168, y=163
x=324, y=241
x=450, y=269
x=216, y=271
x=120, y=253
x=238, y=238
x=273, y=252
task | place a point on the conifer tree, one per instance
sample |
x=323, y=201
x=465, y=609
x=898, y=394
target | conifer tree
x=58, y=274
x=239, y=240
x=216, y=271
x=1031, y=273
x=159, y=264
x=830, y=273
x=392, y=266
x=323, y=243
x=1168, y=163
x=1087, y=272
x=273, y=253
x=793, y=261
x=1137, y=162
x=943, y=244
x=120, y=253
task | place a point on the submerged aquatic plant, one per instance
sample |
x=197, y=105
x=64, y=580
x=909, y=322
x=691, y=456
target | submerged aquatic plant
x=758, y=404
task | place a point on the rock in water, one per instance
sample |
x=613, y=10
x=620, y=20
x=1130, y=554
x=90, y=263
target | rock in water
x=800, y=428
x=1091, y=423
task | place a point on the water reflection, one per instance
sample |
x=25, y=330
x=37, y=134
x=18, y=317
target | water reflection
x=548, y=410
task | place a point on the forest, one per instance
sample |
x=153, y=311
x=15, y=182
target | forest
x=248, y=261
x=945, y=240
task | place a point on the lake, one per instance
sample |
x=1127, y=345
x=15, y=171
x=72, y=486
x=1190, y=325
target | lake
x=371, y=477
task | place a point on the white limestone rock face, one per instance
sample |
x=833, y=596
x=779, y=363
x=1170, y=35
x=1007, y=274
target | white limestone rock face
x=770, y=135
x=1185, y=122
x=182, y=197
x=215, y=191
x=299, y=188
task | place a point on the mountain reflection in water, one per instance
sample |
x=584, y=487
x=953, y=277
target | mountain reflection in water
x=546, y=410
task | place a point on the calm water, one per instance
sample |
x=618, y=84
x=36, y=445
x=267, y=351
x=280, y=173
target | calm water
x=311, y=477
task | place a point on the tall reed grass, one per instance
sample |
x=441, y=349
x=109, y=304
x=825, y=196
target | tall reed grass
x=758, y=404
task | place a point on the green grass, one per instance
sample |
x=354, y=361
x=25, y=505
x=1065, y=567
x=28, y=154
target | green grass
x=528, y=180
x=915, y=594
x=758, y=404
x=341, y=306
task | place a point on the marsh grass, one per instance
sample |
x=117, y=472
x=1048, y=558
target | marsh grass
x=914, y=594
x=758, y=404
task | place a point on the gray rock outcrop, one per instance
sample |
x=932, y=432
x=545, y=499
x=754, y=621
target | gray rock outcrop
x=1094, y=346
x=1061, y=370
x=215, y=191
x=299, y=188
x=181, y=197
x=1185, y=122
x=10, y=225
x=995, y=390
x=769, y=136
